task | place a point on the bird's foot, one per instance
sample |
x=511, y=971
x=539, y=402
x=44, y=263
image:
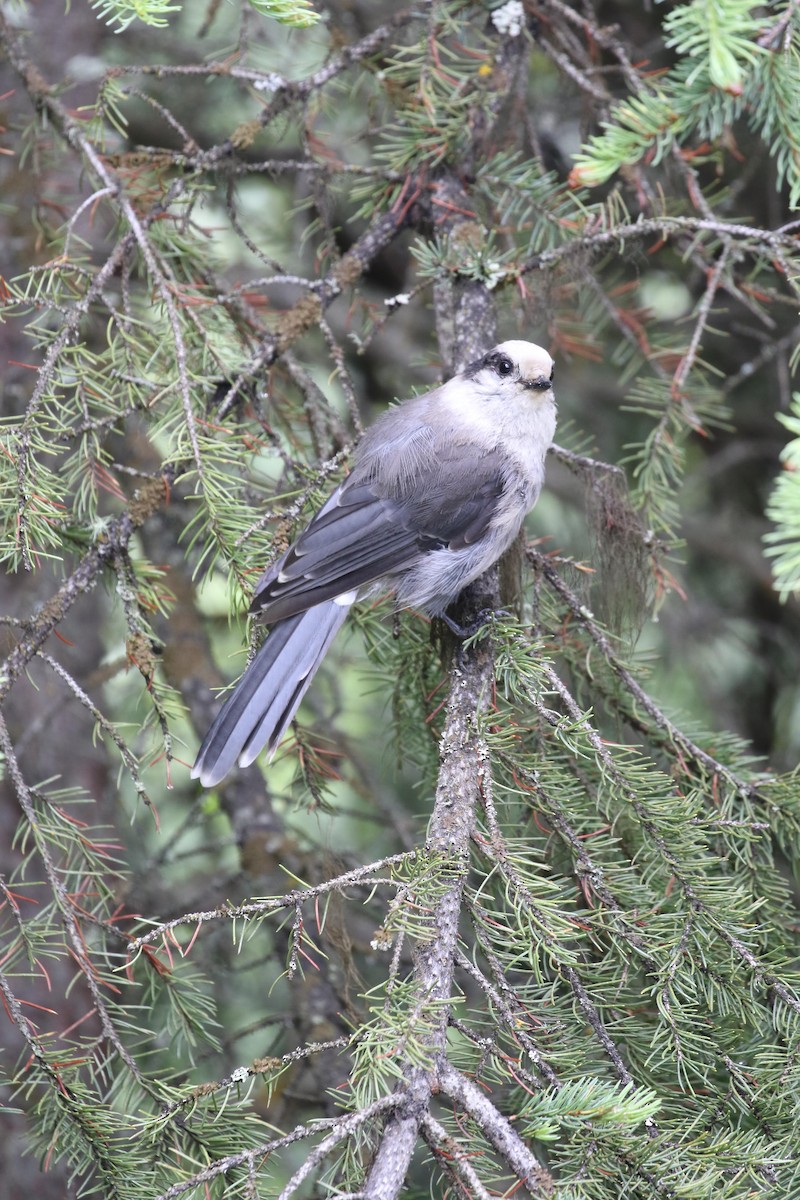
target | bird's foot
x=484, y=617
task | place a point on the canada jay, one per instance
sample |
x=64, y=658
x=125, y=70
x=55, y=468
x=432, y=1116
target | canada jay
x=439, y=489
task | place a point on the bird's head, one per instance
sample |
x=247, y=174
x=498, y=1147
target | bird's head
x=511, y=368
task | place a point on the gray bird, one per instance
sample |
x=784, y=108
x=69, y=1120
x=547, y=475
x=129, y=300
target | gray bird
x=439, y=489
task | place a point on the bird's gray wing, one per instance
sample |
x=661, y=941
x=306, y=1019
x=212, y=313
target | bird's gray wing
x=362, y=534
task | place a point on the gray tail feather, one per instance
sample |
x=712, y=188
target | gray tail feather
x=268, y=695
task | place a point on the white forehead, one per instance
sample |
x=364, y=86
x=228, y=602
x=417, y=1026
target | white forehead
x=531, y=359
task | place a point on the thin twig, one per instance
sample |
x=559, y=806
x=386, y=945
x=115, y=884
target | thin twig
x=366, y=876
x=341, y=1128
x=66, y=909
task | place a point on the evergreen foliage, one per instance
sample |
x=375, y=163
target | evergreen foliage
x=518, y=924
x=784, y=542
x=119, y=14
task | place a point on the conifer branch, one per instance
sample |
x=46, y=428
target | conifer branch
x=503, y=999
x=454, y=1158
x=503, y=1138
x=366, y=876
x=341, y=1128
x=777, y=242
x=463, y=761
x=109, y=546
x=68, y=910
x=44, y=98
x=580, y=613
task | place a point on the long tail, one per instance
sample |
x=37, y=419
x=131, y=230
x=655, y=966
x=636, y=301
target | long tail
x=269, y=693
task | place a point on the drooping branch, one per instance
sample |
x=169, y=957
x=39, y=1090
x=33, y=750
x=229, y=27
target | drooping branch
x=109, y=545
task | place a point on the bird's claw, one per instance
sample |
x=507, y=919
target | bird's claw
x=484, y=617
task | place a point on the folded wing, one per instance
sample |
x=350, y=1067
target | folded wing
x=362, y=535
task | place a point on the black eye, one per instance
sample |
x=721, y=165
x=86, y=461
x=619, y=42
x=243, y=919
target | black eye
x=503, y=366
